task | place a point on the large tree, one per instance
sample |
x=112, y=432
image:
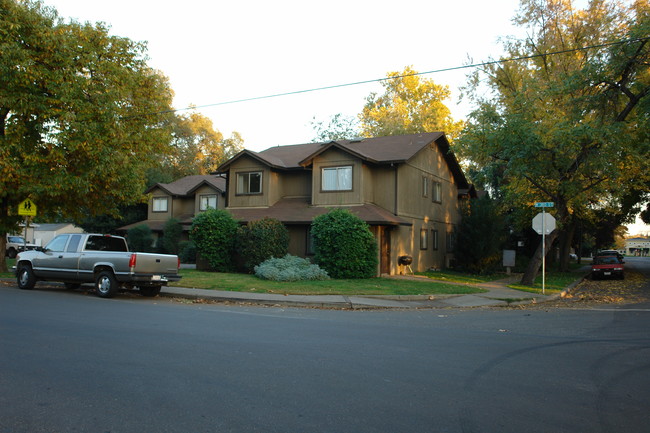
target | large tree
x=409, y=104
x=339, y=127
x=568, y=121
x=80, y=116
x=197, y=147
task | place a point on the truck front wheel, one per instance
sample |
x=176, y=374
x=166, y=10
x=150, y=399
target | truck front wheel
x=106, y=285
x=26, y=278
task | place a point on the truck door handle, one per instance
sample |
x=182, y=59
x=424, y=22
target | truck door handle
x=60, y=257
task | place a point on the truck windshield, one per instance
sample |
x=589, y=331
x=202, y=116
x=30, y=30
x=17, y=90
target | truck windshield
x=105, y=243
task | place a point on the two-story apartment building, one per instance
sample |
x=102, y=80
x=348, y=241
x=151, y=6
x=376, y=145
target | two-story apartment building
x=407, y=188
x=182, y=200
x=637, y=246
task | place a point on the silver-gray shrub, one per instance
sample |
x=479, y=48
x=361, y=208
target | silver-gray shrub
x=289, y=268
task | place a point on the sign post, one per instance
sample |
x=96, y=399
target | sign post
x=26, y=208
x=544, y=224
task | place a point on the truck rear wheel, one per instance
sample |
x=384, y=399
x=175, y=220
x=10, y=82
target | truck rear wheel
x=106, y=285
x=150, y=291
x=26, y=278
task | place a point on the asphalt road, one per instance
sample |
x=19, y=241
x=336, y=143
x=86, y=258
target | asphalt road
x=71, y=362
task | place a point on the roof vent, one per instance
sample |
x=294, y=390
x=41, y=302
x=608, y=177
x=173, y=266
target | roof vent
x=356, y=140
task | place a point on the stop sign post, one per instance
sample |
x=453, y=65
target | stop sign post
x=544, y=224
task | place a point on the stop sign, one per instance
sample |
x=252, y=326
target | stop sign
x=543, y=223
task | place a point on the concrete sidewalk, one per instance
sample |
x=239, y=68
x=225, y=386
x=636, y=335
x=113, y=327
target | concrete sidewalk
x=496, y=294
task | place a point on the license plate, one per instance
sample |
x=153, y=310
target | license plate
x=607, y=273
x=155, y=278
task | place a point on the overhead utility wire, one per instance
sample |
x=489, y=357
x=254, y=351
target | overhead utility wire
x=377, y=80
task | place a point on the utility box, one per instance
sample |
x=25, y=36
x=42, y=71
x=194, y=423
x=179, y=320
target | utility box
x=509, y=259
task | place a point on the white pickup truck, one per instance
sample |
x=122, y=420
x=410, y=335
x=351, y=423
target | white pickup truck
x=104, y=260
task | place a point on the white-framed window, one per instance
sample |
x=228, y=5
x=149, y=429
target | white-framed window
x=249, y=183
x=424, y=239
x=336, y=178
x=434, y=235
x=436, y=194
x=207, y=201
x=160, y=204
x=425, y=186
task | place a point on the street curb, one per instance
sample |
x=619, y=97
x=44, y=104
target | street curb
x=571, y=286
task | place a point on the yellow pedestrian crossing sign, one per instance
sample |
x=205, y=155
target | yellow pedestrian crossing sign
x=27, y=208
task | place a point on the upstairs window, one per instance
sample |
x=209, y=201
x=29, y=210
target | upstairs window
x=207, y=202
x=425, y=186
x=160, y=204
x=337, y=178
x=436, y=194
x=249, y=183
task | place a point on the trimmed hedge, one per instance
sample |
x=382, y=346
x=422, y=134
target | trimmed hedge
x=171, y=237
x=261, y=240
x=140, y=239
x=344, y=246
x=214, y=232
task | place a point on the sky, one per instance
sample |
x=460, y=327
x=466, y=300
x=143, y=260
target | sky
x=216, y=51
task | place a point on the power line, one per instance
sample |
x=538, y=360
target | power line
x=377, y=80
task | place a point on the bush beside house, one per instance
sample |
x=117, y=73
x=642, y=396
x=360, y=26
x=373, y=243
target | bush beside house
x=213, y=232
x=344, y=245
x=260, y=240
x=140, y=239
x=290, y=268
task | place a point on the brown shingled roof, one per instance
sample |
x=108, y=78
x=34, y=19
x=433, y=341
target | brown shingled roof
x=378, y=150
x=299, y=211
x=188, y=184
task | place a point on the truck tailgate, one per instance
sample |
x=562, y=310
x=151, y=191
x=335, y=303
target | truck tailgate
x=155, y=264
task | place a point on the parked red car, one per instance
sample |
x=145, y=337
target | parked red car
x=607, y=266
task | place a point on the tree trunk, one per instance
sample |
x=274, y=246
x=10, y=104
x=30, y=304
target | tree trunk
x=536, y=261
x=566, y=240
x=3, y=253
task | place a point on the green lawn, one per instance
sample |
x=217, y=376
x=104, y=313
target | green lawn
x=372, y=286
x=459, y=277
x=10, y=263
x=437, y=283
x=555, y=282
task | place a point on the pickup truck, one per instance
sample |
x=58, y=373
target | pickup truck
x=607, y=266
x=104, y=260
x=16, y=244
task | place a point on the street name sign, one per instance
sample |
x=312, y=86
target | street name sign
x=544, y=204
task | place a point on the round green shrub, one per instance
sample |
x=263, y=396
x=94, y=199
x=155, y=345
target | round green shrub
x=140, y=239
x=187, y=252
x=171, y=236
x=261, y=240
x=289, y=268
x=344, y=246
x=214, y=232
